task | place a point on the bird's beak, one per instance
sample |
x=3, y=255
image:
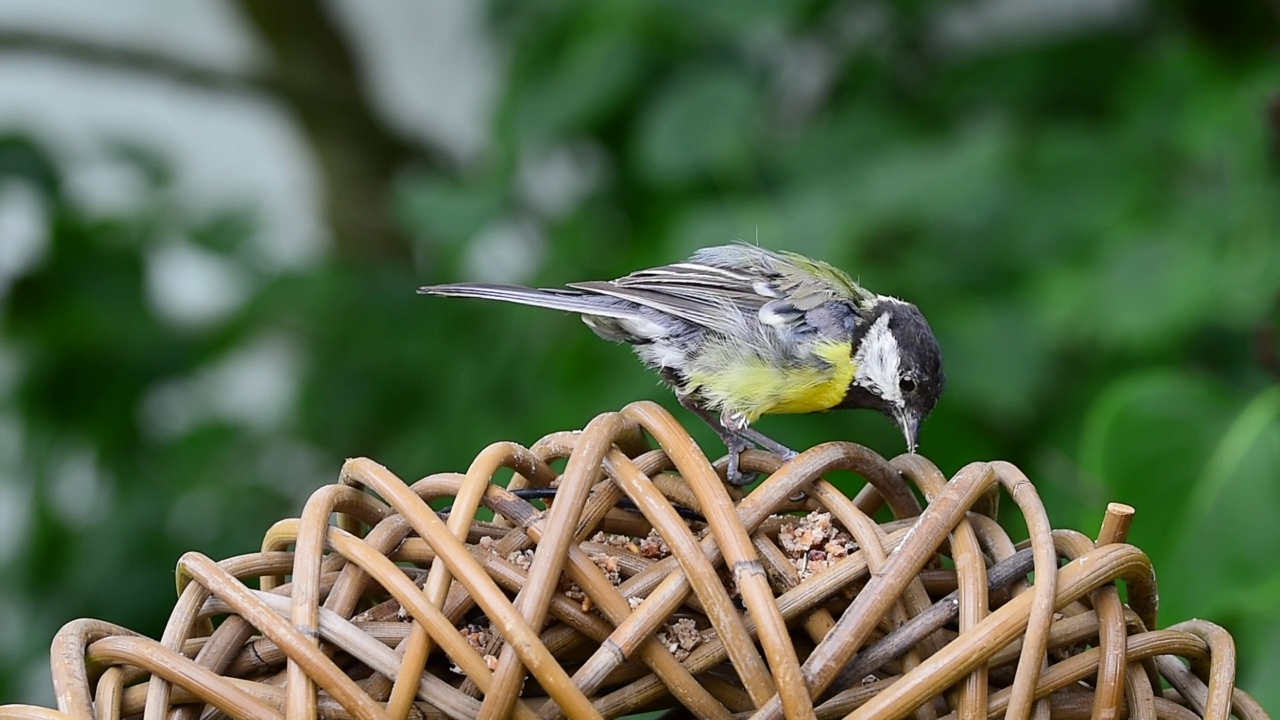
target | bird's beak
x=909, y=423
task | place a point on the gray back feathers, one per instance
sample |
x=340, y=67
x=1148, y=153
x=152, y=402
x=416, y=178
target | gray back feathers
x=770, y=303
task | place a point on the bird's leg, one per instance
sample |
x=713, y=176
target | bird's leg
x=768, y=443
x=777, y=448
x=734, y=440
x=740, y=431
x=735, y=446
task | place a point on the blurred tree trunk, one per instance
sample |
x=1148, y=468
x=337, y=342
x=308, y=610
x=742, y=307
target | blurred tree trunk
x=319, y=77
x=314, y=71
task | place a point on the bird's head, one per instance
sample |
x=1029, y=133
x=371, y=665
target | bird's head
x=898, y=367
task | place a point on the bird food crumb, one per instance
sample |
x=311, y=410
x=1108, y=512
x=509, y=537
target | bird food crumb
x=522, y=559
x=654, y=547
x=680, y=637
x=814, y=543
x=609, y=564
x=484, y=641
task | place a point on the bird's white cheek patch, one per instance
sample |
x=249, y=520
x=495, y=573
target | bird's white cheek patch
x=878, y=359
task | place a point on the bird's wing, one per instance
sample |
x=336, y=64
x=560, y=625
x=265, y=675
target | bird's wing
x=703, y=295
x=567, y=300
x=803, y=281
x=719, y=288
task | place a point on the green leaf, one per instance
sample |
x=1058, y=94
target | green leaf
x=702, y=124
x=594, y=77
x=1145, y=440
x=1227, y=527
x=448, y=212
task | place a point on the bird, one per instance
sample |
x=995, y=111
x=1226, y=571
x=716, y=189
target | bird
x=739, y=331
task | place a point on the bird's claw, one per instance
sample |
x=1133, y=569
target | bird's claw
x=783, y=452
x=739, y=442
x=734, y=474
x=738, y=435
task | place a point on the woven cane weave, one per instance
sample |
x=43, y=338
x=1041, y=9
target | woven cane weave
x=648, y=584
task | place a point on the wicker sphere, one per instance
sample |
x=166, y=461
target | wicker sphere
x=648, y=584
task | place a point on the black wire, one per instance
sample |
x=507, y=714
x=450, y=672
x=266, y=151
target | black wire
x=1001, y=575
x=625, y=503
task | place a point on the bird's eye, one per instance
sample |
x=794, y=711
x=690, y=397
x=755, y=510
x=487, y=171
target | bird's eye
x=907, y=385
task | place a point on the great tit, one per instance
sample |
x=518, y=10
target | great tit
x=739, y=331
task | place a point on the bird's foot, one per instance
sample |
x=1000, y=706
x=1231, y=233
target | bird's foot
x=735, y=431
x=785, y=453
x=734, y=475
x=733, y=441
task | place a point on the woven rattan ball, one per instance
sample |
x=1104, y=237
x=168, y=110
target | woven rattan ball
x=648, y=584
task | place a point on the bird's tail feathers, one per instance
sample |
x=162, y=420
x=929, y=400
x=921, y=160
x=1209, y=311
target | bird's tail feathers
x=566, y=300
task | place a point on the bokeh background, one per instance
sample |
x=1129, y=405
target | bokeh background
x=214, y=214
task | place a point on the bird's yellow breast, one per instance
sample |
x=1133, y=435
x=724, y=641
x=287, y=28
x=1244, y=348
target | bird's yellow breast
x=751, y=386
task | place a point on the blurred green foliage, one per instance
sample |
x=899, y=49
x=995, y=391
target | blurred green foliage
x=1091, y=222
